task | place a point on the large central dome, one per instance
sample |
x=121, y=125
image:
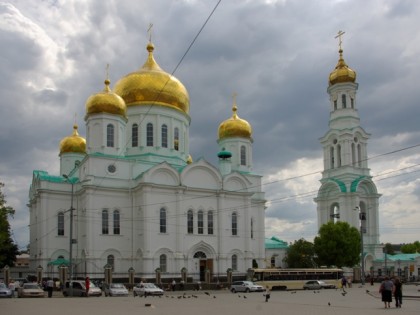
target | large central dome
x=152, y=85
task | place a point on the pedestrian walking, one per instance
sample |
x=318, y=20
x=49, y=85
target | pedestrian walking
x=398, y=292
x=386, y=289
x=87, y=286
x=12, y=287
x=50, y=287
x=267, y=293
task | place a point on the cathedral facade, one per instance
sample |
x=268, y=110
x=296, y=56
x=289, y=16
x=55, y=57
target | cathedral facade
x=130, y=196
x=347, y=191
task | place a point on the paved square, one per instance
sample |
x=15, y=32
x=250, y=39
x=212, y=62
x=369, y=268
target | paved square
x=356, y=301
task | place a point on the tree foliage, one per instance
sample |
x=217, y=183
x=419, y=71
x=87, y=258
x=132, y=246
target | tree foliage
x=8, y=249
x=337, y=244
x=389, y=249
x=411, y=248
x=300, y=255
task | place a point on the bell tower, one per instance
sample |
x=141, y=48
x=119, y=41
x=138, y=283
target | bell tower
x=347, y=192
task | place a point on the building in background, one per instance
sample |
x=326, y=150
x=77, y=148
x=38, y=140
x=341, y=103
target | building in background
x=139, y=200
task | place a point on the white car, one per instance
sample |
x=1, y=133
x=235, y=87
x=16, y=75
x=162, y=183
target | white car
x=146, y=289
x=245, y=286
x=115, y=289
x=30, y=290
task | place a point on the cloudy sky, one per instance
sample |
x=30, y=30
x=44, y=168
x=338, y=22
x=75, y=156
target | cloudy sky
x=276, y=55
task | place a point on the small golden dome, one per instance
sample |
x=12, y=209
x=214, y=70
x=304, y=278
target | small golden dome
x=235, y=126
x=106, y=102
x=189, y=159
x=73, y=143
x=342, y=73
x=152, y=85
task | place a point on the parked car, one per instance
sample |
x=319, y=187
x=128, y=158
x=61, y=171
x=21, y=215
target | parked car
x=5, y=291
x=317, y=284
x=77, y=288
x=146, y=289
x=115, y=289
x=245, y=286
x=30, y=289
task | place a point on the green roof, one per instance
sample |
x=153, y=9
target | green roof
x=274, y=242
x=402, y=257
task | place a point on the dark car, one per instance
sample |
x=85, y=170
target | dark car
x=317, y=284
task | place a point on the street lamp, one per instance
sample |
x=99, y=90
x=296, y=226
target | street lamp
x=71, y=233
x=362, y=218
x=72, y=241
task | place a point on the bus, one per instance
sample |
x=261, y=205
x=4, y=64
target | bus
x=294, y=279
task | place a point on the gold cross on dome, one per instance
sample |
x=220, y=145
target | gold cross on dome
x=149, y=31
x=234, y=95
x=107, y=71
x=340, y=33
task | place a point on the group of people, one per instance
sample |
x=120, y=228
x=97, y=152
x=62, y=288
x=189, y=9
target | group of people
x=391, y=287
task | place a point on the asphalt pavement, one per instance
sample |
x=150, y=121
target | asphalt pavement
x=355, y=300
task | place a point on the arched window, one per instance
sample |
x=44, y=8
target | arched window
x=60, y=224
x=352, y=102
x=135, y=135
x=332, y=157
x=200, y=222
x=359, y=155
x=149, y=134
x=343, y=100
x=243, y=155
x=234, y=262
x=110, y=136
x=105, y=228
x=162, y=220
x=164, y=136
x=335, y=105
x=234, y=223
x=273, y=261
x=210, y=223
x=190, y=222
x=252, y=228
x=116, y=219
x=353, y=154
x=110, y=260
x=163, y=263
x=176, y=138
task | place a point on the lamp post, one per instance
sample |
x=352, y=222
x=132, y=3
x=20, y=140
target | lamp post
x=362, y=217
x=71, y=233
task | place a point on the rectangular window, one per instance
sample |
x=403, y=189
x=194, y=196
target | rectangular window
x=105, y=228
x=190, y=222
x=210, y=223
x=200, y=222
x=60, y=224
x=116, y=218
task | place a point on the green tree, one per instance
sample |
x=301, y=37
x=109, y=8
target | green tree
x=411, y=248
x=337, y=244
x=389, y=249
x=300, y=254
x=8, y=249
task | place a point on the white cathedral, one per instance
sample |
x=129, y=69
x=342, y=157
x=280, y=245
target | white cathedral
x=140, y=203
x=139, y=200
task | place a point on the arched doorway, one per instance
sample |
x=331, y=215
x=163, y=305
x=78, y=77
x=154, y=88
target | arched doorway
x=204, y=264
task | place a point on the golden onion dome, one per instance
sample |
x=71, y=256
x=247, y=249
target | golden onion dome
x=106, y=102
x=342, y=73
x=73, y=143
x=235, y=127
x=189, y=159
x=152, y=85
